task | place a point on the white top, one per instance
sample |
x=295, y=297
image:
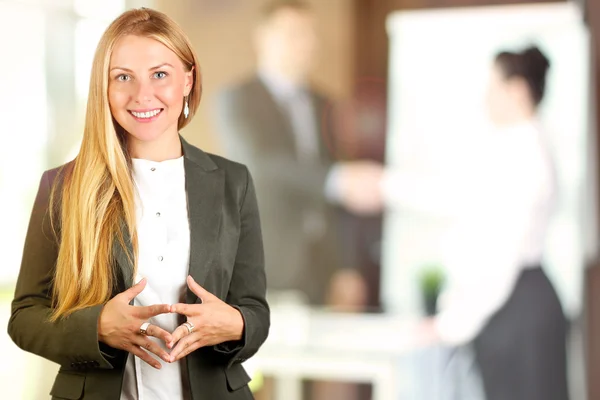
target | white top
x=164, y=248
x=502, y=202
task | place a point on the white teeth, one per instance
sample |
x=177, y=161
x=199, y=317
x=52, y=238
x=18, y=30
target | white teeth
x=147, y=114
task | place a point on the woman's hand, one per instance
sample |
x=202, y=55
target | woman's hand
x=119, y=326
x=214, y=322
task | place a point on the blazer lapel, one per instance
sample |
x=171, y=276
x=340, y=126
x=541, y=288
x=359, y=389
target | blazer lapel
x=123, y=261
x=204, y=184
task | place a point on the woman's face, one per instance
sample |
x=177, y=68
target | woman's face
x=147, y=86
x=499, y=99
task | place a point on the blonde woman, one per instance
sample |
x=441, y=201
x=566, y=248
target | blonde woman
x=143, y=273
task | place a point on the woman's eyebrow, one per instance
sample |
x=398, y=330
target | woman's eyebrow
x=150, y=69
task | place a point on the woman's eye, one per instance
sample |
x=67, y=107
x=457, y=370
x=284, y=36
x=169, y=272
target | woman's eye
x=160, y=75
x=123, y=78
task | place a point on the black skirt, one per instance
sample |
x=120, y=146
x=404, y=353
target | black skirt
x=522, y=351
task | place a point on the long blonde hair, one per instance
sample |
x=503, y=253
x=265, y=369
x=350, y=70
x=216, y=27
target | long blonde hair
x=97, y=199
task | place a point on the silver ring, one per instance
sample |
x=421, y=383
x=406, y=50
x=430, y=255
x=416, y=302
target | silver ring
x=144, y=328
x=189, y=326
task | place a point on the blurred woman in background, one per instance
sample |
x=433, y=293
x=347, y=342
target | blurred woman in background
x=521, y=346
x=498, y=297
x=505, y=304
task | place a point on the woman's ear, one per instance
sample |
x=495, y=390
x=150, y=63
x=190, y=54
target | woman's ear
x=189, y=81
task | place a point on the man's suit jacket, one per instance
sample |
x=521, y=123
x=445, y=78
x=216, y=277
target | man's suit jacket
x=257, y=132
x=226, y=258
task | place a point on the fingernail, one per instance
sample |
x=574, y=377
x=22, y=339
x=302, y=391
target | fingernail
x=157, y=366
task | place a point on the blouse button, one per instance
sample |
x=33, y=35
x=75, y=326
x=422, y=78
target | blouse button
x=158, y=214
x=160, y=258
x=152, y=169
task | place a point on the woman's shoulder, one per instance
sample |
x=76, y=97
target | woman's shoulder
x=237, y=178
x=227, y=164
x=236, y=174
x=57, y=174
x=234, y=171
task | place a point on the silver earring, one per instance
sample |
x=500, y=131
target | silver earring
x=186, y=108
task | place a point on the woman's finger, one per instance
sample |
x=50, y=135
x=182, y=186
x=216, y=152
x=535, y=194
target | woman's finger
x=185, y=309
x=152, y=347
x=147, y=312
x=184, y=343
x=132, y=292
x=192, y=347
x=143, y=355
x=159, y=333
x=203, y=294
x=178, y=334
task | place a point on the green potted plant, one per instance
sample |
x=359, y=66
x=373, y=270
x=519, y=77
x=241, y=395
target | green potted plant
x=431, y=280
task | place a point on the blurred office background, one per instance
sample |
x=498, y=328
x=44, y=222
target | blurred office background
x=375, y=58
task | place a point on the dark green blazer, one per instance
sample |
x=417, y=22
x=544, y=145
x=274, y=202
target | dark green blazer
x=226, y=258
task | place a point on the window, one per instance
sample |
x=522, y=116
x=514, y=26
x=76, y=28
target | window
x=42, y=102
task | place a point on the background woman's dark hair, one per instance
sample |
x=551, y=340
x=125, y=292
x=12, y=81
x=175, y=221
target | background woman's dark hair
x=530, y=64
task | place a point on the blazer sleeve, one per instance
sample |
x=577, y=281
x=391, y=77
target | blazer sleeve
x=247, y=291
x=71, y=342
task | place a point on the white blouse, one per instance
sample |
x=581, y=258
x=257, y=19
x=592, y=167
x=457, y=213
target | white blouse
x=164, y=247
x=502, y=203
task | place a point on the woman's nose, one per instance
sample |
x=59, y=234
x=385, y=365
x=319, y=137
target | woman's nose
x=143, y=92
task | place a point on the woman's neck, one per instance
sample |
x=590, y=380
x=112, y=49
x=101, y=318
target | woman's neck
x=520, y=116
x=167, y=147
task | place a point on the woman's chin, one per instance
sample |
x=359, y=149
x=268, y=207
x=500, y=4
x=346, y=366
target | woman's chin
x=147, y=135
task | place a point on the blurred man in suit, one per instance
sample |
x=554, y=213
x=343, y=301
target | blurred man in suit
x=275, y=122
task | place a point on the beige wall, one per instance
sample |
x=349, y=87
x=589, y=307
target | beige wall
x=221, y=31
